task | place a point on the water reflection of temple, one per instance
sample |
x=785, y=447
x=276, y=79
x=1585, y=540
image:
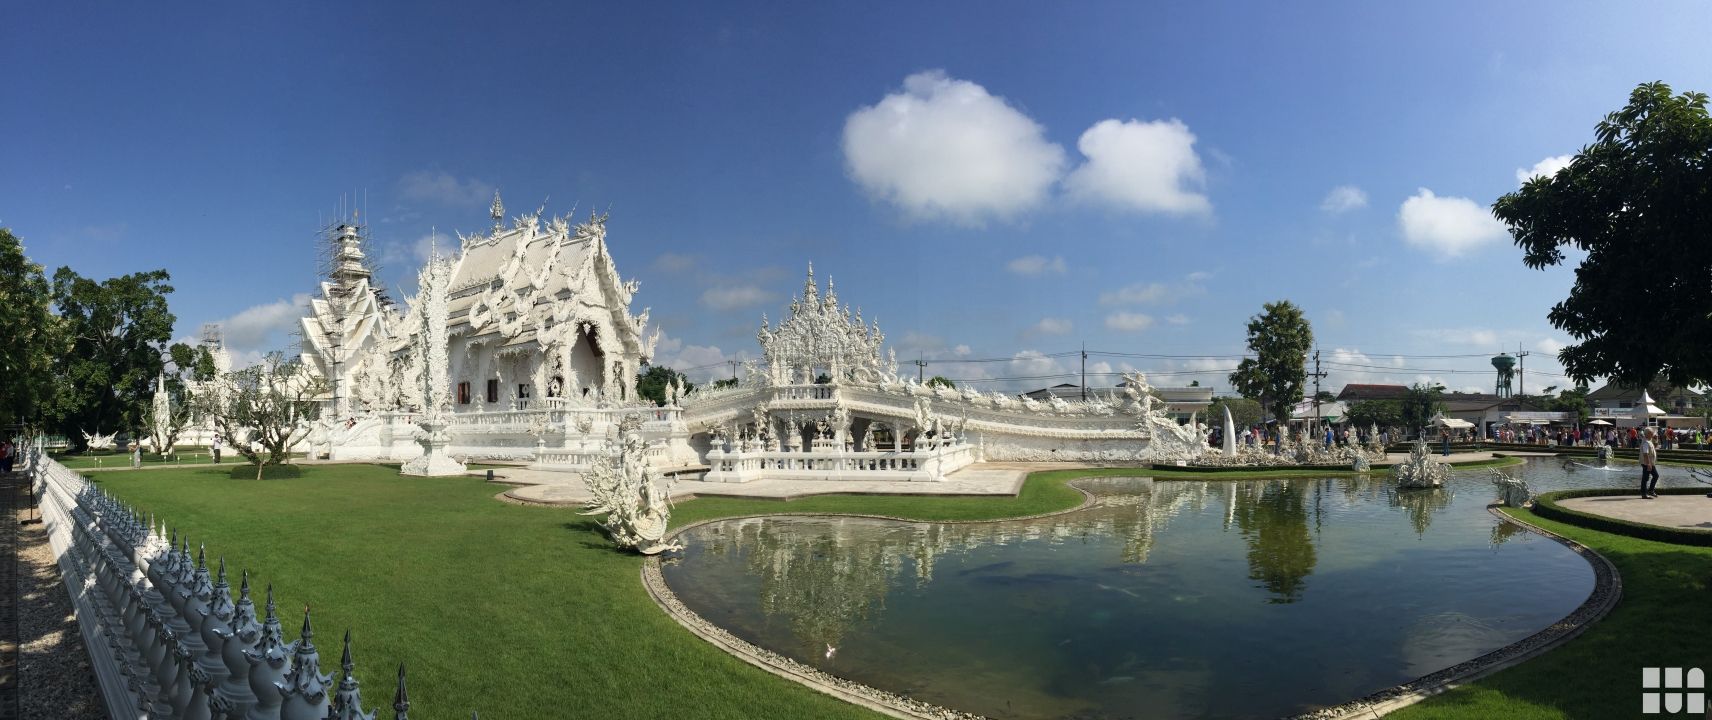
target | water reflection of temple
x=827, y=574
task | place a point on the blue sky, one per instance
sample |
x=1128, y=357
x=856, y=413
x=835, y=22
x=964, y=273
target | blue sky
x=991, y=180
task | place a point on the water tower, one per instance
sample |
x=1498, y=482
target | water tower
x=1506, y=366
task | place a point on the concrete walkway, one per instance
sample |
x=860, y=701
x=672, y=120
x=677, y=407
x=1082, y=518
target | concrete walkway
x=1687, y=512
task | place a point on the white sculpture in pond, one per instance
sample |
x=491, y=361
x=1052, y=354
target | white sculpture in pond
x=1511, y=491
x=1230, y=434
x=638, y=510
x=1420, y=470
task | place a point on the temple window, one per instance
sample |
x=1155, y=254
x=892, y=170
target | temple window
x=522, y=392
x=493, y=391
x=463, y=393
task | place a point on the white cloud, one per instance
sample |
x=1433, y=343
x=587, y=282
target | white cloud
x=1143, y=166
x=1128, y=321
x=946, y=148
x=1033, y=363
x=439, y=186
x=1199, y=276
x=1344, y=198
x=1036, y=265
x=961, y=351
x=1547, y=167
x=1449, y=225
x=1177, y=319
x=1460, y=336
x=735, y=297
x=1137, y=294
x=260, y=329
x=1052, y=326
x=1549, y=346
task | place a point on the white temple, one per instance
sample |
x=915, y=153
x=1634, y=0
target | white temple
x=542, y=354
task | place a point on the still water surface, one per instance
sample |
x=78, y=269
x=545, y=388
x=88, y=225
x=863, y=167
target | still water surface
x=1203, y=599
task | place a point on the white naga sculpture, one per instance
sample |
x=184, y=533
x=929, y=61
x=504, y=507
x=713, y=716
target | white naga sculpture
x=98, y=441
x=1420, y=470
x=1511, y=491
x=436, y=391
x=638, y=510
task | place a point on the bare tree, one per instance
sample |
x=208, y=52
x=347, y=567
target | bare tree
x=262, y=410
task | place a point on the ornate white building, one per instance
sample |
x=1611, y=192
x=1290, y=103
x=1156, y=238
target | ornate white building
x=541, y=358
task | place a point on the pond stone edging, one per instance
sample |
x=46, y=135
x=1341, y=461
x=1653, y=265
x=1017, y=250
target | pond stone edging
x=1607, y=590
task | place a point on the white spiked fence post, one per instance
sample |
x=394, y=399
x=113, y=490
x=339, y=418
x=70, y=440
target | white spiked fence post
x=163, y=634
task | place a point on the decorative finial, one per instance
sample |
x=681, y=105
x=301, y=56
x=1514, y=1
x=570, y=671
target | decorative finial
x=271, y=612
x=244, y=589
x=497, y=210
x=222, y=579
x=202, y=556
x=401, y=698
x=345, y=661
x=308, y=632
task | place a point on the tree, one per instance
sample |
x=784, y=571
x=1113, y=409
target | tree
x=723, y=383
x=1420, y=404
x=1573, y=400
x=188, y=364
x=1325, y=396
x=652, y=383
x=1383, y=413
x=941, y=381
x=1244, y=412
x=32, y=340
x=115, y=334
x=1280, y=338
x=270, y=404
x=1636, y=202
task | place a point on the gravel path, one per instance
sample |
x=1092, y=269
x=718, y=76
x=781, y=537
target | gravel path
x=52, y=677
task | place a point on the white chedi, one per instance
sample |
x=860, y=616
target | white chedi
x=630, y=494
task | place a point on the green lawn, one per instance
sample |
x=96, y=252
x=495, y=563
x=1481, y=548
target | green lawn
x=1664, y=620
x=518, y=612
x=120, y=458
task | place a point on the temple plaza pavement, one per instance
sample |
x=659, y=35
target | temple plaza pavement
x=1684, y=512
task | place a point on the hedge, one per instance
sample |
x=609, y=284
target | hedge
x=1545, y=505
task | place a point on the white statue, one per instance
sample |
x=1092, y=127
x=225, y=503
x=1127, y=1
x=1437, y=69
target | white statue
x=1512, y=492
x=638, y=511
x=1420, y=470
x=98, y=441
x=431, y=347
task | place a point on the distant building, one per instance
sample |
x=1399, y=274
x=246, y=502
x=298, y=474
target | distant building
x=1616, y=404
x=1354, y=392
x=1487, y=410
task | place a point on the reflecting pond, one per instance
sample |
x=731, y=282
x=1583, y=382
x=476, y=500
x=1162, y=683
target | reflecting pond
x=1230, y=599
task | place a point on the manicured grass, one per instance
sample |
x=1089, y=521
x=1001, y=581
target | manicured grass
x=518, y=612
x=120, y=458
x=1664, y=620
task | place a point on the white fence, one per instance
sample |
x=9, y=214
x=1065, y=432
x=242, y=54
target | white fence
x=164, y=636
x=926, y=465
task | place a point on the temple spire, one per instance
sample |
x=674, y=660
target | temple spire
x=401, y=698
x=497, y=211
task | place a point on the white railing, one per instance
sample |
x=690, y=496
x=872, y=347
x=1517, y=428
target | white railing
x=164, y=637
x=923, y=465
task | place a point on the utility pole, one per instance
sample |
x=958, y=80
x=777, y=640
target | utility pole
x=920, y=369
x=1084, y=372
x=733, y=370
x=1522, y=372
x=1316, y=375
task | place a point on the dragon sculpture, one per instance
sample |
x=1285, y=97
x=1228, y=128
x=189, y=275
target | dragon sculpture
x=631, y=495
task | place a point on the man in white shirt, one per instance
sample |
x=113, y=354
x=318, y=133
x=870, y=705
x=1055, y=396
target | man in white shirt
x=1649, y=465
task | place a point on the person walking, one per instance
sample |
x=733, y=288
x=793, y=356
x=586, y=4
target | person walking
x=1649, y=466
x=6, y=457
x=215, y=448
